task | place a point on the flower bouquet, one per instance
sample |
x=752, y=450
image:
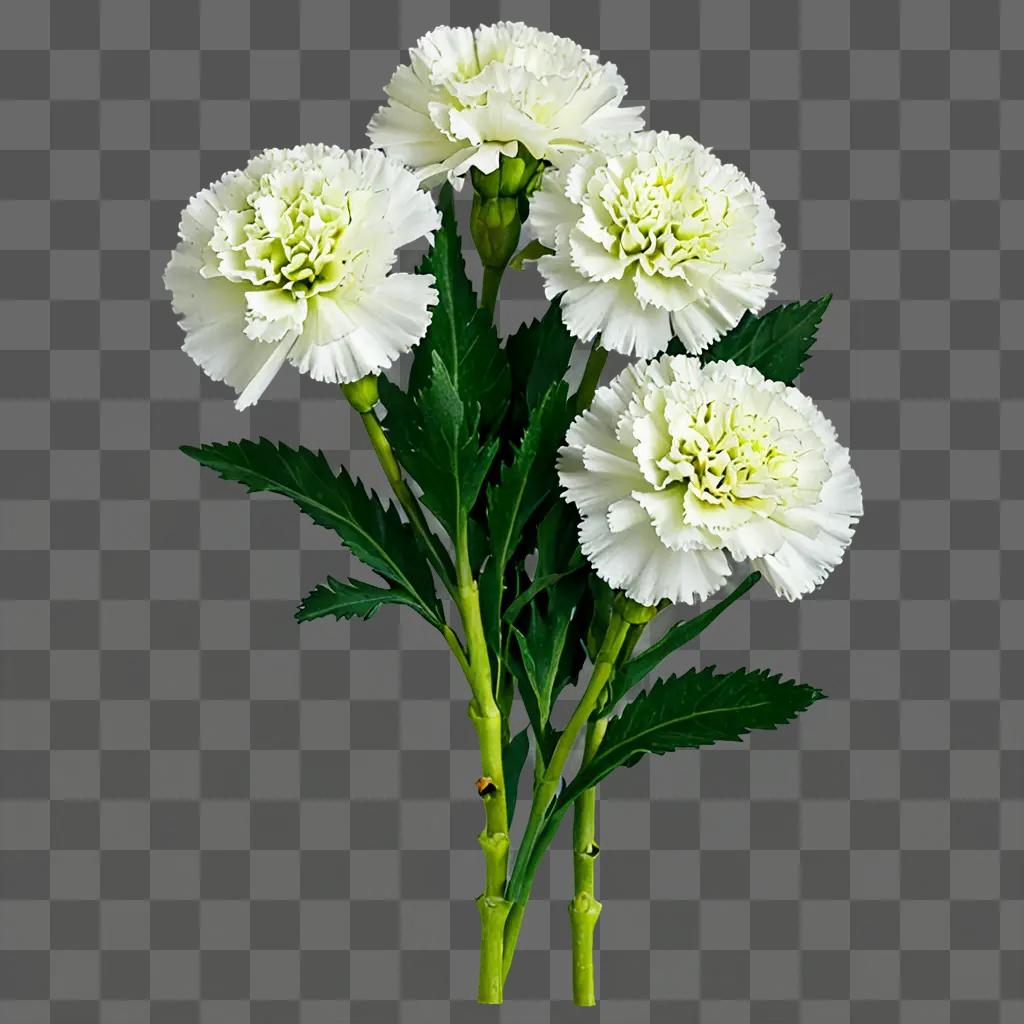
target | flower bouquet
x=539, y=527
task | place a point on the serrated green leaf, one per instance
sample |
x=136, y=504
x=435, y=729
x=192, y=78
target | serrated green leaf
x=375, y=534
x=777, y=343
x=460, y=334
x=436, y=437
x=356, y=599
x=696, y=709
x=513, y=757
x=628, y=675
x=529, y=478
x=538, y=354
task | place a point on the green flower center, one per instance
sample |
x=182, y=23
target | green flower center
x=658, y=215
x=725, y=456
x=289, y=235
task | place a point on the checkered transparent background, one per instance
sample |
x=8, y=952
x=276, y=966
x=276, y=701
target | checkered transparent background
x=210, y=815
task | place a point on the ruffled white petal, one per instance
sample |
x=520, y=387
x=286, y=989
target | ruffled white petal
x=694, y=238
x=288, y=259
x=467, y=96
x=677, y=466
x=345, y=341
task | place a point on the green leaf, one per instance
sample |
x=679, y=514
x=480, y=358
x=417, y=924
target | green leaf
x=628, y=675
x=696, y=709
x=539, y=353
x=375, y=534
x=538, y=586
x=777, y=343
x=461, y=335
x=558, y=548
x=538, y=357
x=513, y=757
x=531, y=251
x=435, y=435
x=549, y=656
x=356, y=599
x=530, y=477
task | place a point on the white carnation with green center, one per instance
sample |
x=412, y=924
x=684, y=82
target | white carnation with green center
x=653, y=236
x=469, y=96
x=675, y=467
x=290, y=259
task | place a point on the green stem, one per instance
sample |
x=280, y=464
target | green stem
x=490, y=288
x=585, y=908
x=591, y=375
x=487, y=720
x=393, y=472
x=546, y=787
x=493, y=913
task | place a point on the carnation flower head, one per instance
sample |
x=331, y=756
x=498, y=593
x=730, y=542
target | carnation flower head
x=676, y=466
x=289, y=258
x=653, y=236
x=468, y=97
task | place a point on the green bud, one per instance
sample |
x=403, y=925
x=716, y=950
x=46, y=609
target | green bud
x=514, y=176
x=501, y=204
x=362, y=394
x=495, y=225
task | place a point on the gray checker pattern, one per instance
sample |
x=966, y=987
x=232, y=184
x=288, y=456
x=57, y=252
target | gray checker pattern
x=209, y=815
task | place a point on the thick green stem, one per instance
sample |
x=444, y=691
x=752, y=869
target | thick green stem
x=493, y=913
x=486, y=719
x=591, y=375
x=585, y=908
x=491, y=286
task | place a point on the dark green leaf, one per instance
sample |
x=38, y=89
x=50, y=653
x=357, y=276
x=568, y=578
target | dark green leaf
x=629, y=674
x=538, y=586
x=374, y=534
x=529, y=478
x=777, y=343
x=557, y=540
x=435, y=435
x=696, y=709
x=356, y=599
x=461, y=335
x=513, y=757
x=548, y=656
x=538, y=355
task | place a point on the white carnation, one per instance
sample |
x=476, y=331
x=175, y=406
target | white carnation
x=467, y=97
x=655, y=236
x=675, y=466
x=289, y=259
